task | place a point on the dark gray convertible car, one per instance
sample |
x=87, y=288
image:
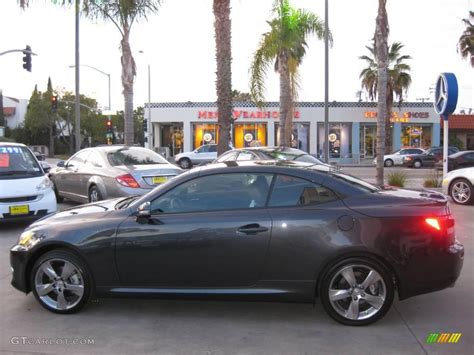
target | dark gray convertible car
x=282, y=231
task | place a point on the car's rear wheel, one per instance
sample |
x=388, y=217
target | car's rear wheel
x=461, y=191
x=357, y=291
x=94, y=194
x=56, y=193
x=417, y=164
x=185, y=163
x=388, y=163
x=61, y=282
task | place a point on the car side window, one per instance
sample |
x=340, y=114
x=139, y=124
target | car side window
x=213, y=148
x=403, y=152
x=78, y=159
x=94, y=160
x=293, y=191
x=216, y=192
x=203, y=149
x=230, y=156
x=244, y=156
x=469, y=157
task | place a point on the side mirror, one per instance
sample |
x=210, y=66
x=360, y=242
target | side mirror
x=46, y=167
x=144, y=210
x=61, y=164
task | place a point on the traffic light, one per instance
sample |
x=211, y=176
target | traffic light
x=27, y=58
x=110, y=131
x=54, y=103
x=145, y=125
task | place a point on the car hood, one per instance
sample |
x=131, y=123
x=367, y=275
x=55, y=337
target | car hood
x=20, y=187
x=96, y=210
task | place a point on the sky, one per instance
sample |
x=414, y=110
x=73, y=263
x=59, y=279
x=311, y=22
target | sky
x=179, y=46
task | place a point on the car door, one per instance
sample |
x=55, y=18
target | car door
x=466, y=160
x=305, y=216
x=210, y=231
x=67, y=178
x=201, y=154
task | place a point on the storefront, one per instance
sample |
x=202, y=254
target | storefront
x=352, y=127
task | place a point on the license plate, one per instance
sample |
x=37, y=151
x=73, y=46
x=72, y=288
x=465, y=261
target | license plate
x=19, y=210
x=159, y=179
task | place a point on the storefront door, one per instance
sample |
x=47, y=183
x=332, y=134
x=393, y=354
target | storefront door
x=367, y=141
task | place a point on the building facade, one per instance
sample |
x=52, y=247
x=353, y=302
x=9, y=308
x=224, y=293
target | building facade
x=14, y=111
x=181, y=127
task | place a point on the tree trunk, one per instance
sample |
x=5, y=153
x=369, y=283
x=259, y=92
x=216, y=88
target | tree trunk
x=128, y=76
x=381, y=53
x=222, y=27
x=388, y=123
x=51, y=138
x=284, y=133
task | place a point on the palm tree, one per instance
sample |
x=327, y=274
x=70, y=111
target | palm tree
x=285, y=46
x=381, y=56
x=399, y=79
x=123, y=14
x=466, y=41
x=222, y=29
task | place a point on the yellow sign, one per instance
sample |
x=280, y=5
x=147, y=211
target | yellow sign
x=159, y=179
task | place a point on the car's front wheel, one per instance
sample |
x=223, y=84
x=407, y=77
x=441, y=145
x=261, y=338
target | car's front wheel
x=461, y=191
x=417, y=164
x=356, y=291
x=59, y=198
x=388, y=163
x=184, y=163
x=60, y=282
x=94, y=194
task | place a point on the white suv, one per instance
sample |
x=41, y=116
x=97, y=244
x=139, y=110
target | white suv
x=204, y=154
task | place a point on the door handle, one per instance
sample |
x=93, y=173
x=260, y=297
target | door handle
x=252, y=229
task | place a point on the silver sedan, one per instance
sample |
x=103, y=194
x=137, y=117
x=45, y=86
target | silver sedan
x=100, y=173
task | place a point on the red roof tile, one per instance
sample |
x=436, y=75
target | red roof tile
x=460, y=122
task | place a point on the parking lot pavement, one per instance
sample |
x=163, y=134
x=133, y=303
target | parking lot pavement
x=212, y=327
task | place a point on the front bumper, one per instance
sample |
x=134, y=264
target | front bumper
x=18, y=262
x=431, y=271
x=44, y=204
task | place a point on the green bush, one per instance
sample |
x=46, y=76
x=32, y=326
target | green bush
x=397, y=178
x=435, y=180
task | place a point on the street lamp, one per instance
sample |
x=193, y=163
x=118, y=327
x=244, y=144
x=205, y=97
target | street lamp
x=100, y=71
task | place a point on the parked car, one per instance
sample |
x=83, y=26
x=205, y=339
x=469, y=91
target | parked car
x=426, y=159
x=463, y=159
x=459, y=185
x=268, y=153
x=25, y=191
x=204, y=154
x=266, y=230
x=99, y=173
x=396, y=158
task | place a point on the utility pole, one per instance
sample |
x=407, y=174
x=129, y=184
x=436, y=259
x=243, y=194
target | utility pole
x=326, y=83
x=78, y=94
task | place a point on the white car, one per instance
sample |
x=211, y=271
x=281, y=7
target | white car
x=25, y=191
x=204, y=154
x=397, y=157
x=459, y=185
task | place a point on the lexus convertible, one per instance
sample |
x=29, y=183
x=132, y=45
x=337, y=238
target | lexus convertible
x=263, y=230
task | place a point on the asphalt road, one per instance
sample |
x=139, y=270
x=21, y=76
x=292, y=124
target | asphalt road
x=217, y=327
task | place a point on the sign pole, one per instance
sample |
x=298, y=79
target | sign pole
x=445, y=145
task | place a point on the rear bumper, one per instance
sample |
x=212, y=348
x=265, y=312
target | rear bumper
x=431, y=271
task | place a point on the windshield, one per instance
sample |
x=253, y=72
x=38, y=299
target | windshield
x=293, y=154
x=356, y=182
x=135, y=156
x=18, y=162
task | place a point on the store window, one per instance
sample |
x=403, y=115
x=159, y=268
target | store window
x=339, y=139
x=299, y=136
x=250, y=135
x=204, y=133
x=418, y=136
x=172, y=137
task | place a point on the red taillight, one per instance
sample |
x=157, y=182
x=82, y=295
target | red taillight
x=127, y=180
x=433, y=222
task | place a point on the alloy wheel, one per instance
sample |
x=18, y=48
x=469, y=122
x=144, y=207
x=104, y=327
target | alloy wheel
x=461, y=192
x=357, y=292
x=59, y=284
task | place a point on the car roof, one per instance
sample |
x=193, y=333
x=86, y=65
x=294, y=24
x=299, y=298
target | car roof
x=272, y=149
x=463, y=152
x=112, y=148
x=12, y=144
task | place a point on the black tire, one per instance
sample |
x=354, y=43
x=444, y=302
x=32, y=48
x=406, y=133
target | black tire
x=59, y=198
x=466, y=198
x=80, y=277
x=388, y=163
x=417, y=164
x=185, y=163
x=381, y=292
x=94, y=194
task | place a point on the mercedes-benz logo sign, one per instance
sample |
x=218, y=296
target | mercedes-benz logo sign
x=446, y=94
x=441, y=95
